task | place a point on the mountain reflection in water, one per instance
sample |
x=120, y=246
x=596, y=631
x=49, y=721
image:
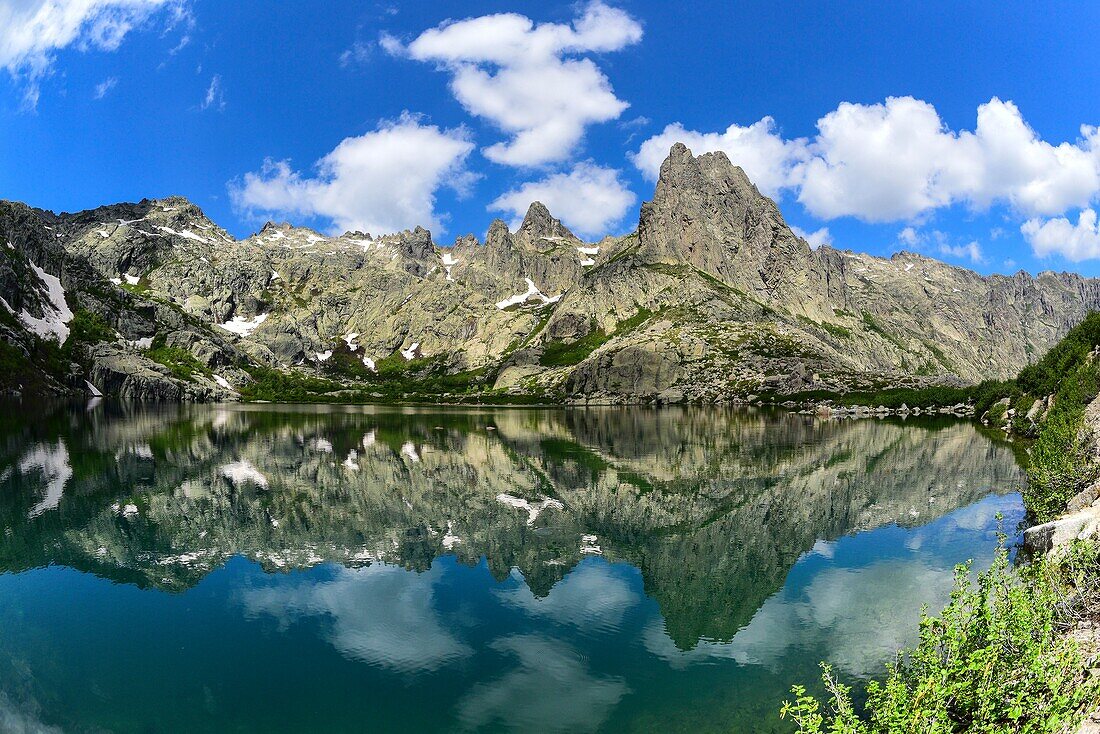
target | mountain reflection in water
x=548, y=570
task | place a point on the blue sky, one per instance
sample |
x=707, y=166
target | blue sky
x=951, y=129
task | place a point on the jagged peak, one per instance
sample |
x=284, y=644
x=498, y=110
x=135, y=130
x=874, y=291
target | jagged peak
x=173, y=200
x=465, y=241
x=539, y=222
x=498, y=233
x=706, y=212
x=682, y=169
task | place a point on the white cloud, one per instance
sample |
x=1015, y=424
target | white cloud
x=105, y=86
x=591, y=597
x=527, y=79
x=971, y=251
x=33, y=31
x=898, y=160
x=759, y=149
x=549, y=689
x=1076, y=242
x=910, y=236
x=359, y=53
x=382, y=615
x=383, y=181
x=589, y=199
x=831, y=616
x=816, y=238
x=22, y=719
x=215, y=97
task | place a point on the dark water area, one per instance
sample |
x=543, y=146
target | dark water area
x=251, y=568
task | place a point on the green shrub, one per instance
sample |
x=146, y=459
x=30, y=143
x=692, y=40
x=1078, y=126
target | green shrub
x=994, y=661
x=180, y=362
x=836, y=329
x=1043, y=377
x=86, y=328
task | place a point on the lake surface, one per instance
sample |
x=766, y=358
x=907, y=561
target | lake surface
x=299, y=569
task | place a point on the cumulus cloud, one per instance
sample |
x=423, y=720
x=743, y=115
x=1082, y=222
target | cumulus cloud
x=529, y=80
x=897, y=160
x=831, y=617
x=359, y=53
x=941, y=242
x=910, y=236
x=593, y=597
x=383, y=181
x=1076, y=242
x=381, y=615
x=550, y=689
x=21, y=718
x=589, y=199
x=816, y=238
x=33, y=31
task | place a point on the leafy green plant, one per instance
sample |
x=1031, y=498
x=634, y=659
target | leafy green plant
x=995, y=661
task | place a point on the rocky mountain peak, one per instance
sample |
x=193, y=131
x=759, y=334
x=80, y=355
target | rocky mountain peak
x=710, y=177
x=498, y=235
x=707, y=213
x=539, y=223
x=418, y=244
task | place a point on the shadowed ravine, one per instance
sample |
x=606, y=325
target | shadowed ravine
x=549, y=569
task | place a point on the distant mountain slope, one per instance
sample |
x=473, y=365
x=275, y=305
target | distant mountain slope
x=712, y=298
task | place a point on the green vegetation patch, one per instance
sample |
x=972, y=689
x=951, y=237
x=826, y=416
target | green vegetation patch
x=30, y=372
x=88, y=327
x=287, y=387
x=544, y=319
x=995, y=660
x=871, y=325
x=180, y=362
x=347, y=380
x=1059, y=465
x=836, y=330
x=563, y=354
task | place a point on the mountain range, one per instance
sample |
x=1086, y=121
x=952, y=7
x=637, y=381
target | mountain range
x=712, y=298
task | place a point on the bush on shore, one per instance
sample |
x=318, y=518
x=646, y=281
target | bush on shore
x=996, y=660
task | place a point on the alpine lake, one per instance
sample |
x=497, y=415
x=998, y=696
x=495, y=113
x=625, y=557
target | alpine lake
x=265, y=568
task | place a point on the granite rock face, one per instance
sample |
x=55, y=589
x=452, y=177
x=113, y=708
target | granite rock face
x=713, y=298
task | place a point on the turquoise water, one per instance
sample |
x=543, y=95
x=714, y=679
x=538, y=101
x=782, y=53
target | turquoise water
x=298, y=569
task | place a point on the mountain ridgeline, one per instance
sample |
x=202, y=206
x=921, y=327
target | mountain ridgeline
x=712, y=299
